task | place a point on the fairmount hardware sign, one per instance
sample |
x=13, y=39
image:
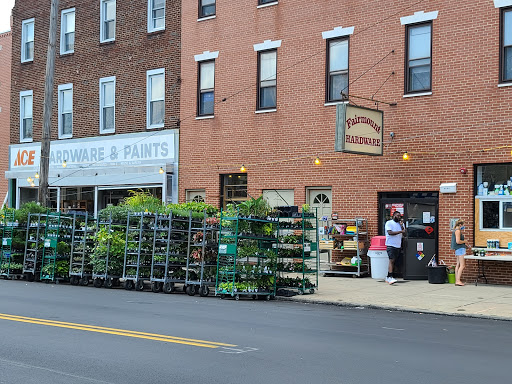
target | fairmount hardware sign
x=359, y=130
x=128, y=149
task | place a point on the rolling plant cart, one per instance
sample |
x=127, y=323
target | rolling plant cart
x=160, y=256
x=139, y=250
x=80, y=268
x=57, y=247
x=36, y=227
x=247, y=257
x=297, y=266
x=201, y=254
x=11, y=257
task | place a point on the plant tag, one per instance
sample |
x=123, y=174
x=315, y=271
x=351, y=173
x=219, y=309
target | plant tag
x=307, y=247
x=223, y=248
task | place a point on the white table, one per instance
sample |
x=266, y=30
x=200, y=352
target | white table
x=481, y=259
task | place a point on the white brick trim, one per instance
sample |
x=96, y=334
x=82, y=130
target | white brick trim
x=337, y=32
x=419, y=17
x=206, y=55
x=502, y=3
x=267, y=44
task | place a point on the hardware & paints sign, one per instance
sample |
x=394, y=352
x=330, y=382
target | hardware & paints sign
x=129, y=149
x=359, y=130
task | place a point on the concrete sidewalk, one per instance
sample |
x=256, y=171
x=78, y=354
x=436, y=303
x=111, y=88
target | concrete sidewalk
x=486, y=301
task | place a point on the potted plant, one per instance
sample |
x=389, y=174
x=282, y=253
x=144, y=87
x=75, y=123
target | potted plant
x=451, y=274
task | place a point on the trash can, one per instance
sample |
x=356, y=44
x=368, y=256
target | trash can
x=379, y=260
x=437, y=275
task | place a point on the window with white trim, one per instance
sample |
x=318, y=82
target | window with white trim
x=65, y=111
x=27, y=40
x=267, y=79
x=261, y=2
x=156, y=15
x=418, y=66
x=26, y=109
x=155, y=98
x=108, y=20
x=506, y=45
x=107, y=104
x=67, y=31
x=206, y=8
x=337, y=69
x=206, y=88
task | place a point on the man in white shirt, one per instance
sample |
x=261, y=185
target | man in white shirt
x=394, y=231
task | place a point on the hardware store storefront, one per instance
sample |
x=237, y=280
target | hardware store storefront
x=90, y=173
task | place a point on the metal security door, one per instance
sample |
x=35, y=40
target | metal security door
x=420, y=243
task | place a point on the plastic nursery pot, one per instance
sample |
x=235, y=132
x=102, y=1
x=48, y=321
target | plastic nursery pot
x=451, y=278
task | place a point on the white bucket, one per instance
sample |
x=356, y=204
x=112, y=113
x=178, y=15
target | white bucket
x=379, y=264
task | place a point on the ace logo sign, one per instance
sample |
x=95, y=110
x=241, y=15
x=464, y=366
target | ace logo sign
x=24, y=157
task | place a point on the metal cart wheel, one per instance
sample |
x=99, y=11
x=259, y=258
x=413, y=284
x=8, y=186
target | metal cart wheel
x=30, y=277
x=312, y=290
x=223, y=296
x=84, y=281
x=139, y=285
x=108, y=283
x=128, y=285
x=301, y=292
x=204, y=291
x=267, y=298
x=254, y=297
x=156, y=286
x=237, y=297
x=168, y=287
x=184, y=288
x=73, y=280
x=191, y=290
x=98, y=283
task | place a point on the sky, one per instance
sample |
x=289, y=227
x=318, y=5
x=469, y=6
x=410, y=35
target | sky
x=5, y=14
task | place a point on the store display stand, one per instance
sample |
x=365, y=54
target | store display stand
x=80, y=268
x=36, y=225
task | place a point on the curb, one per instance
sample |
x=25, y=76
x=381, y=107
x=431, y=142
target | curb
x=397, y=309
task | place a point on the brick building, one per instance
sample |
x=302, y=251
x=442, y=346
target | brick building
x=115, y=100
x=261, y=84
x=5, y=98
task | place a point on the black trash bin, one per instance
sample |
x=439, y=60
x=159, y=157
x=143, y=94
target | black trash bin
x=437, y=275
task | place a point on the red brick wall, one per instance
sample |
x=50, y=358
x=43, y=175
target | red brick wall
x=128, y=58
x=466, y=113
x=5, y=89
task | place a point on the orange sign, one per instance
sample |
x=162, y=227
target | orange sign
x=24, y=157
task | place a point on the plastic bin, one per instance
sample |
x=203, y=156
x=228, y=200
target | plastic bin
x=437, y=275
x=379, y=263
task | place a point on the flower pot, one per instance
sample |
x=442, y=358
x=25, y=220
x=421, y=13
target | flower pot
x=451, y=278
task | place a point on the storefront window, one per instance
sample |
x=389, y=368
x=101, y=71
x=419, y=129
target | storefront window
x=492, y=175
x=490, y=214
x=507, y=214
x=234, y=188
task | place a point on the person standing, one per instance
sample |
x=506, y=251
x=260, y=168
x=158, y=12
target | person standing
x=459, y=245
x=394, y=231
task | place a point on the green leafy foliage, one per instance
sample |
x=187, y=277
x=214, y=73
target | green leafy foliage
x=31, y=207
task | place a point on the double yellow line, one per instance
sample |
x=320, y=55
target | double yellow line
x=114, y=331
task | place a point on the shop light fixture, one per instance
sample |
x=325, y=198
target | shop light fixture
x=37, y=175
x=161, y=170
x=406, y=156
x=242, y=168
x=317, y=161
x=29, y=179
x=32, y=184
x=64, y=164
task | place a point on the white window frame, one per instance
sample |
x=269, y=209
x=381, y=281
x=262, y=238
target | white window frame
x=23, y=40
x=65, y=87
x=149, y=74
x=102, y=21
x=24, y=94
x=501, y=200
x=150, y=17
x=62, y=33
x=103, y=80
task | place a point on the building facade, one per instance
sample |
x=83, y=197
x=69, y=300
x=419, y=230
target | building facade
x=262, y=82
x=116, y=96
x=5, y=102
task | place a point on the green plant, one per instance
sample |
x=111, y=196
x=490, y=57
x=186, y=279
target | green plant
x=144, y=201
x=21, y=215
x=305, y=208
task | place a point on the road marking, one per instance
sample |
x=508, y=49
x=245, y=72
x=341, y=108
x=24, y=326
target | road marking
x=238, y=350
x=394, y=329
x=23, y=365
x=115, y=331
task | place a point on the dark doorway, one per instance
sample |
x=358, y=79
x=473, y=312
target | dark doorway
x=420, y=243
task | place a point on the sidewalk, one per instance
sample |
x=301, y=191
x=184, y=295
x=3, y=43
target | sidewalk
x=486, y=301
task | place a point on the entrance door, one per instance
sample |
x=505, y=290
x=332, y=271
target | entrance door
x=420, y=243
x=321, y=200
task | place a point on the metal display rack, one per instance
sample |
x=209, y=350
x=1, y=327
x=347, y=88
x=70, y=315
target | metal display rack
x=177, y=257
x=160, y=256
x=11, y=263
x=201, y=255
x=80, y=268
x=36, y=227
x=247, y=257
x=298, y=261
x=108, y=266
x=57, y=245
x=138, y=250
x=349, y=244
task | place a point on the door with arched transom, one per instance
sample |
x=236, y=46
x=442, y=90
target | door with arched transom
x=321, y=200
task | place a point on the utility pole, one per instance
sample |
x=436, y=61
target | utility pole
x=43, y=196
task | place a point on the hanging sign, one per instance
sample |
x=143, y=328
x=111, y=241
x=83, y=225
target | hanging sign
x=359, y=130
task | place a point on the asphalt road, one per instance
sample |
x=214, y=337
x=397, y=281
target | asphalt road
x=52, y=341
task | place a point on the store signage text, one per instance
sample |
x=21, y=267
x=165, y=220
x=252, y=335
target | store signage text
x=128, y=149
x=358, y=130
